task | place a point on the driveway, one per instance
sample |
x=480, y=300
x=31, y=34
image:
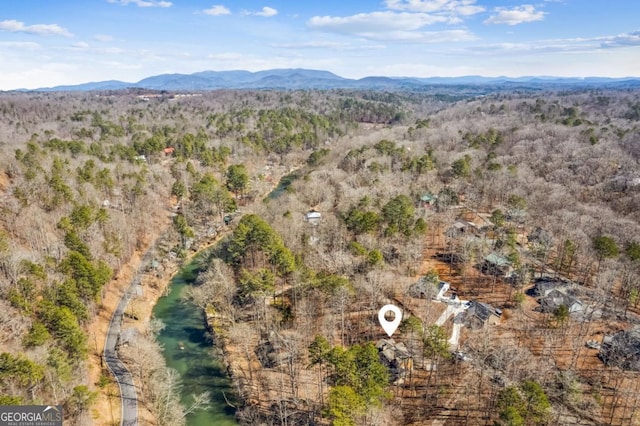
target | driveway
x=453, y=309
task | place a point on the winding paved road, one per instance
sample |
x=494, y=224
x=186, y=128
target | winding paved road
x=128, y=396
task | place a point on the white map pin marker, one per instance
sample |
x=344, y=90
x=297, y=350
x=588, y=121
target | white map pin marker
x=390, y=326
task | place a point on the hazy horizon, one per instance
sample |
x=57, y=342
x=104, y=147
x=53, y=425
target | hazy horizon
x=70, y=42
x=522, y=77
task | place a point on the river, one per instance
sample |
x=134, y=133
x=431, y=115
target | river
x=283, y=185
x=189, y=349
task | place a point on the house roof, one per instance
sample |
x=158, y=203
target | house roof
x=557, y=297
x=543, y=286
x=481, y=310
x=461, y=226
x=313, y=217
x=391, y=350
x=423, y=288
x=622, y=349
x=553, y=292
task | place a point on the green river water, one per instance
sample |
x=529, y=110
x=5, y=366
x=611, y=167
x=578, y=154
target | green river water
x=197, y=362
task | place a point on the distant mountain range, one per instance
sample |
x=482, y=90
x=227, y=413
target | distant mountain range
x=315, y=79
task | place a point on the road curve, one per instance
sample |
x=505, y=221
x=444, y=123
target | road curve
x=128, y=395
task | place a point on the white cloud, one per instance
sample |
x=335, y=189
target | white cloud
x=13, y=26
x=217, y=10
x=621, y=40
x=267, y=12
x=228, y=56
x=404, y=21
x=453, y=7
x=333, y=45
x=365, y=24
x=32, y=75
x=80, y=45
x=568, y=45
x=515, y=16
x=424, y=36
x=311, y=45
x=103, y=37
x=110, y=50
x=22, y=45
x=143, y=3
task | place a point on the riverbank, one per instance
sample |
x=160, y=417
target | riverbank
x=233, y=360
x=154, y=284
x=189, y=349
x=106, y=410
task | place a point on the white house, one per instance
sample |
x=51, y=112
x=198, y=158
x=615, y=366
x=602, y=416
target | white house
x=313, y=217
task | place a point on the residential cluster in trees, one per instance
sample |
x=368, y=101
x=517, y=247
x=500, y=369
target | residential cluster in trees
x=504, y=195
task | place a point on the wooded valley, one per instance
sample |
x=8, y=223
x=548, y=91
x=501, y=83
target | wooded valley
x=506, y=226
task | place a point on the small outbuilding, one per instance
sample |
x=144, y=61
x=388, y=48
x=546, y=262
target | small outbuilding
x=313, y=217
x=428, y=200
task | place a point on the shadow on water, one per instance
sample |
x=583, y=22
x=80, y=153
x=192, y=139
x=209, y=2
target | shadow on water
x=189, y=349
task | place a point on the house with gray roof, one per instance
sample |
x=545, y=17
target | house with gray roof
x=314, y=217
x=462, y=227
x=622, y=349
x=479, y=314
x=424, y=288
x=554, y=292
x=396, y=357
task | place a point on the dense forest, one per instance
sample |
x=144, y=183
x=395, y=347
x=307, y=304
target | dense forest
x=505, y=226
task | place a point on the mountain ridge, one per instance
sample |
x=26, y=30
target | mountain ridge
x=300, y=78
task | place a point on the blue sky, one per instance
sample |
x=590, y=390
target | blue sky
x=47, y=43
